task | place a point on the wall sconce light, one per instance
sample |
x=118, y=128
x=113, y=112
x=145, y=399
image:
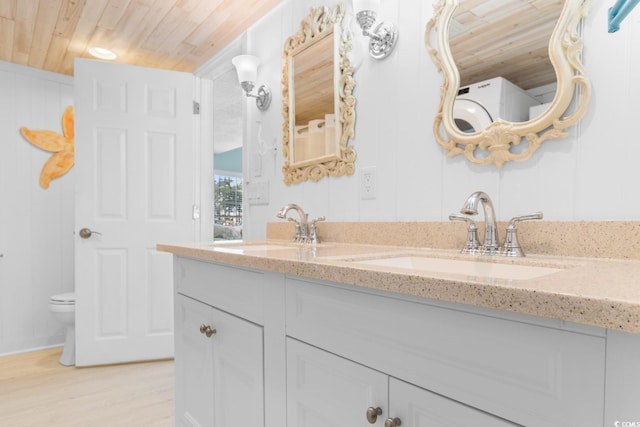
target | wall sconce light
x=384, y=36
x=247, y=68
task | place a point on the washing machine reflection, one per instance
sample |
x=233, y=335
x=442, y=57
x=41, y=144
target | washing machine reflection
x=480, y=104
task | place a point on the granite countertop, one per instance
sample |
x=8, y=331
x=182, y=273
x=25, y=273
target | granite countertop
x=600, y=292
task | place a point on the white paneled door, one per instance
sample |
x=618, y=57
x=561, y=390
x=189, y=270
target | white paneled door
x=135, y=188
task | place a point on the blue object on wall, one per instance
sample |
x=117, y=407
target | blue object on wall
x=618, y=12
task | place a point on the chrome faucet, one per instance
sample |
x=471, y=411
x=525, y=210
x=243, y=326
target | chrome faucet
x=305, y=231
x=490, y=245
x=302, y=227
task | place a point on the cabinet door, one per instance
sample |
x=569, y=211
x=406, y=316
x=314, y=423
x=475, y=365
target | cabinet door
x=238, y=374
x=219, y=379
x=417, y=407
x=193, y=367
x=324, y=390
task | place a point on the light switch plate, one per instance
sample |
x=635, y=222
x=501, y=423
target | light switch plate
x=258, y=192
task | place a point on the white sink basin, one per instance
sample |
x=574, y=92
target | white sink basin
x=461, y=267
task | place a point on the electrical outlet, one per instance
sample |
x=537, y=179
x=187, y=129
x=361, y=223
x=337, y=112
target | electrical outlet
x=368, y=183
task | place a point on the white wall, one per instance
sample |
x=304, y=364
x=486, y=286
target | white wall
x=591, y=175
x=36, y=225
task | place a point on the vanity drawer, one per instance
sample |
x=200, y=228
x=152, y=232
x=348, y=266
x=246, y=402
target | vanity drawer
x=236, y=290
x=528, y=373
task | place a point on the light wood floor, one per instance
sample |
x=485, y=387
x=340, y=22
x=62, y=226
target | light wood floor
x=37, y=391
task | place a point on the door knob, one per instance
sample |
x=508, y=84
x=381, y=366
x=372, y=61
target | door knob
x=85, y=233
x=207, y=330
x=372, y=414
x=392, y=422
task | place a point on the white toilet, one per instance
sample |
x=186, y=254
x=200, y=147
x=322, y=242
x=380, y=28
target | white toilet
x=63, y=307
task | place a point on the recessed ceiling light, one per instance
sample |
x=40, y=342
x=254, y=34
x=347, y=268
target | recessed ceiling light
x=102, y=53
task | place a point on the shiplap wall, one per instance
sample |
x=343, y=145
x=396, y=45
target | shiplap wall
x=591, y=175
x=36, y=225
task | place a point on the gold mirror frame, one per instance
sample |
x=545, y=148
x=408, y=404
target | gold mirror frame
x=496, y=141
x=314, y=26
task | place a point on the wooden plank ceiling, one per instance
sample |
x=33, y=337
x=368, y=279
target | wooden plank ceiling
x=170, y=34
x=508, y=38
x=489, y=37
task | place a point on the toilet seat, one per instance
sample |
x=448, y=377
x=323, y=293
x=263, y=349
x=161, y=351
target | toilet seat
x=68, y=298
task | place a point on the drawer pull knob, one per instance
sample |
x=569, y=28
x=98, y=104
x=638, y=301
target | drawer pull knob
x=392, y=422
x=372, y=414
x=207, y=330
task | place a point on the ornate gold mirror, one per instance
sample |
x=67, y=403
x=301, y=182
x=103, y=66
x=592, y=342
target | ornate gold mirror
x=317, y=97
x=506, y=49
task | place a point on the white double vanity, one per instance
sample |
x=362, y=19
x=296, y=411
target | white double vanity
x=270, y=334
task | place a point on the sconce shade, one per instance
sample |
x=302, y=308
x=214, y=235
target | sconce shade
x=360, y=5
x=246, y=67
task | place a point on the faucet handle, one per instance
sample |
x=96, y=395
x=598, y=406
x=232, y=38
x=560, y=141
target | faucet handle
x=537, y=215
x=511, y=245
x=313, y=234
x=298, y=230
x=471, y=245
x=454, y=217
